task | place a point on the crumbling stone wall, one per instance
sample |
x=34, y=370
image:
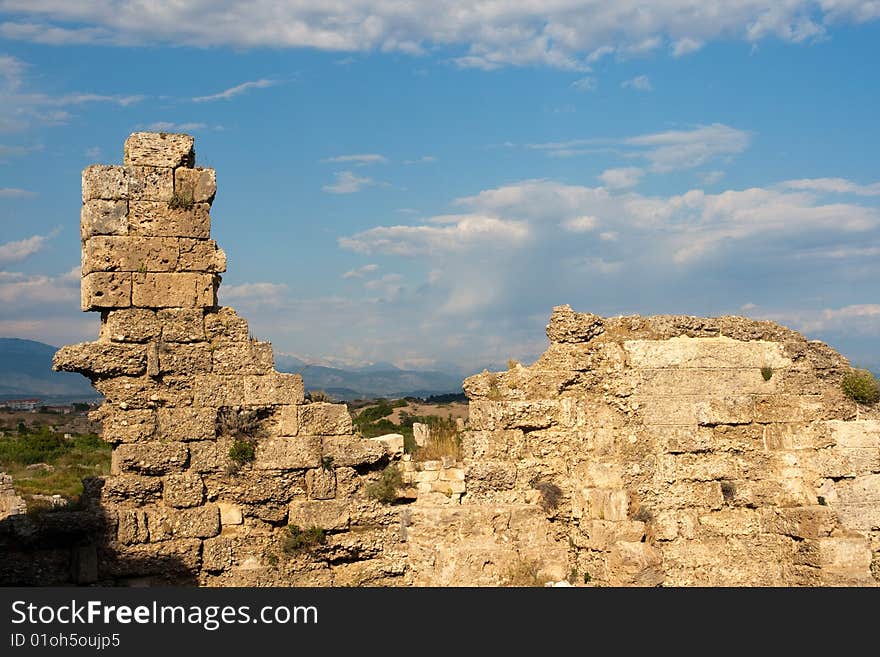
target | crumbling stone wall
x=635, y=451
x=183, y=382
x=676, y=460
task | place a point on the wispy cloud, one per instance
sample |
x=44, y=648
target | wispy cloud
x=253, y=292
x=685, y=46
x=833, y=185
x=167, y=126
x=424, y=159
x=360, y=272
x=348, y=183
x=14, y=192
x=639, y=83
x=237, y=90
x=360, y=159
x=685, y=149
x=586, y=83
x=21, y=249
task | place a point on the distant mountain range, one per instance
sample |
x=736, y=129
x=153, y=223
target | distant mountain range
x=376, y=380
x=26, y=372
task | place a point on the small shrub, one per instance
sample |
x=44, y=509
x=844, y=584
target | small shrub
x=494, y=391
x=298, y=540
x=511, y=364
x=573, y=576
x=241, y=452
x=643, y=514
x=587, y=578
x=326, y=463
x=181, y=200
x=319, y=396
x=443, y=440
x=766, y=372
x=240, y=423
x=551, y=494
x=822, y=501
x=522, y=572
x=728, y=490
x=861, y=386
x=384, y=489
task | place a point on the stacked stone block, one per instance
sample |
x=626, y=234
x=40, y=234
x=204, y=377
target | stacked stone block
x=677, y=460
x=184, y=382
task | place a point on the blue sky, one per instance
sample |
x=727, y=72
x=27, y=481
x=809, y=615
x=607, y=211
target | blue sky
x=422, y=182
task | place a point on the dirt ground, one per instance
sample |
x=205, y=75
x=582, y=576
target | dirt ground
x=454, y=409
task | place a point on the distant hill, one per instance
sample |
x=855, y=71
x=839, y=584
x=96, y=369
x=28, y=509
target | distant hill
x=26, y=372
x=377, y=380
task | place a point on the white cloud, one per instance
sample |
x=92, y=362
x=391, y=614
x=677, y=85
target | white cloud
x=26, y=290
x=237, y=90
x=685, y=149
x=167, y=126
x=252, y=292
x=685, y=46
x=621, y=178
x=362, y=159
x=348, y=183
x=582, y=224
x=562, y=34
x=639, y=83
x=14, y=192
x=584, y=84
x=832, y=185
x=454, y=233
x=21, y=249
x=861, y=319
x=360, y=272
x=424, y=159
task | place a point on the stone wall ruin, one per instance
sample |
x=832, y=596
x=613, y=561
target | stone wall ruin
x=668, y=450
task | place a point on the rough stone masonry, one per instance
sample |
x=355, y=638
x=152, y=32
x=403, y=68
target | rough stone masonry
x=669, y=450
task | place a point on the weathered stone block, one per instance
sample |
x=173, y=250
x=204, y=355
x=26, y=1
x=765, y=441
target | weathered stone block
x=230, y=514
x=101, y=290
x=102, y=358
x=788, y=408
x=144, y=392
x=159, y=149
x=164, y=290
x=288, y=420
x=184, y=358
x=274, y=388
x=797, y=436
x=132, y=526
x=187, y=423
x=150, y=183
x=800, y=522
x=103, y=218
x=104, y=182
x=288, y=453
x=125, y=253
x=857, y=433
x=837, y=462
x=243, y=358
x=209, y=455
x=568, y=326
x=353, y=451
x=392, y=443
x=325, y=419
x=199, y=522
x=488, y=415
x=224, y=324
x=215, y=390
x=133, y=489
x=201, y=255
x=130, y=325
x=330, y=515
x=198, y=184
x=129, y=426
x=150, y=458
x=182, y=324
x=486, y=476
x=321, y=483
x=184, y=490
x=717, y=352
x=159, y=219
x=164, y=561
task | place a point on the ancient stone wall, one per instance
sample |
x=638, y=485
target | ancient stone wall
x=214, y=452
x=683, y=451
x=670, y=451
